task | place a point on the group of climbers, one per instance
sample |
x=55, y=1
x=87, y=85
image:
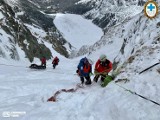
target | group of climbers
x=102, y=67
x=54, y=62
x=84, y=69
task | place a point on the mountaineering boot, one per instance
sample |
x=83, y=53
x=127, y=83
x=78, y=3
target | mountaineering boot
x=82, y=80
x=107, y=79
x=96, y=78
x=88, y=82
x=54, y=66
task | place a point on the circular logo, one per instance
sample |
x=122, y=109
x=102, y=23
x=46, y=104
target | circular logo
x=151, y=9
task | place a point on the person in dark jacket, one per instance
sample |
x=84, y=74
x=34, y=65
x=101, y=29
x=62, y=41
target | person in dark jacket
x=102, y=68
x=55, y=62
x=43, y=61
x=84, y=70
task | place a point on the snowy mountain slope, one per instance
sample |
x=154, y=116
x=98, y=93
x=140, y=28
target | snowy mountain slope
x=132, y=45
x=99, y=14
x=15, y=35
x=106, y=13
x=12, y=2
x=53, y=6
x=77, y=30
x=103, y=13
x=34, y=15
x=130, y=31
x=139, y=39
x=27, y=35
x=8, y=46
x=32, y=88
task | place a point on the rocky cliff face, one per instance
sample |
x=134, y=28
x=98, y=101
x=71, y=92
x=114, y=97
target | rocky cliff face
x=107, y=13
x=136, y=38
x=14, y=23
x=14, y=33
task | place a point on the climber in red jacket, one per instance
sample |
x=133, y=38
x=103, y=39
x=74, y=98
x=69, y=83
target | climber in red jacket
x=55, y=62
x=102, y=68
x=43, y=61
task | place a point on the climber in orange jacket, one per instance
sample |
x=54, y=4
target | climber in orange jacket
x=102, y=68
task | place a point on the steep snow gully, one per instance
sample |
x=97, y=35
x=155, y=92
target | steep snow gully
x=134, y=45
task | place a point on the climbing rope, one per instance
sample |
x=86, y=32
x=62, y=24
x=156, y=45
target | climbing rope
x=150, y=67
x=54, y=97
x=134, y=93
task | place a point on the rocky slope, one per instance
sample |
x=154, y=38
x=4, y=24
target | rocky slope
x=14, y=33
x=14, y=23
x=107, y=13
x=139, y=36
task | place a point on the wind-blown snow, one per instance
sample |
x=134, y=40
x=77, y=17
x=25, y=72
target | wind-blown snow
x=77, y=30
